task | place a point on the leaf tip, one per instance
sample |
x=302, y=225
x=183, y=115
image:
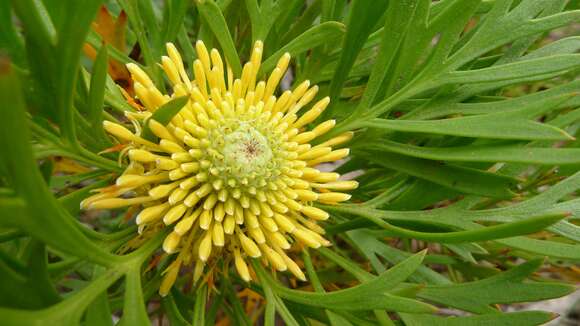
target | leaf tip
x=552, y=316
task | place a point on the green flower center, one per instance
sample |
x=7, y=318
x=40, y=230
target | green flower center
x=246, y=150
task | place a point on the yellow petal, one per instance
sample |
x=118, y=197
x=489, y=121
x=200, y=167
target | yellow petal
x=284, y=223
x=330, y=157
x=314, y=153
x=274, y=258
x=257, y=235
x=229, y=225
x=304, y=137
x=203, y=55
x=333, y=197
x=343, y=138
x=205, y=219
x=313, y=113
x=160, y=131
x=166, y=164
x=324, y=127
x=278, y=239
x=306, y=238
x=326, y=177
x=292, y=266
x=241, y=266
x=219, y=212
x=205, y=247
x=170, y=146
x=218, y=234
x=171, y=242
x=141, y=155
x=337, y=185
x=249, y=246
x=110, y=203
x=306, y=195
x=139, y=75
x=315, y=213
x=177, y=196
x=170, y=70
x=152, y=213
x=191, y=199
x=169, y=278
x=174, y=214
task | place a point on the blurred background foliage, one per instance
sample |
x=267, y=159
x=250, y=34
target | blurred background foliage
x=465, y=117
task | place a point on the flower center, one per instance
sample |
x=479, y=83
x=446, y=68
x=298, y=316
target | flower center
x=246, y=150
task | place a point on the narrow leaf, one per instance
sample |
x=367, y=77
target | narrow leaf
x=464, y=179
x=485, y=126
x=317, y=35
x=213, y=17
x=504, y=319
x=357, y=31
x=487, y=153
x=165, y=113
x=134, y=310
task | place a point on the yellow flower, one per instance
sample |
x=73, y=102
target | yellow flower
x=233, y=174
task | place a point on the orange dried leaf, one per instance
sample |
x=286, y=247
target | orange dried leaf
x=132, y=101
x=113, y=149
x=112, y=31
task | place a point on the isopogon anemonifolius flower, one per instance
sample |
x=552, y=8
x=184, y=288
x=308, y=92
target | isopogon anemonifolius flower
x=233, y=174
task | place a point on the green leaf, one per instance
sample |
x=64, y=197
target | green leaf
x=97, y=90
x=500, y=27
x=317, y=35
x=550, y=99
x=398, y=18
x=10, y=41
x=366, y=296
x=337, y=320
x=36, y=18
x=567, y=45
x=199, y=307
x=302, y=23
x=142, y=19
x=544, y=248
x=464, y=179
x=263, y=16
x=347, y=264
x=134, y=309
x=46, y=220
x=486, y=153
x=99, y=312
x=371, y=244
x=213, y=17
x=542, y=68
x=97, y=95
x=279, y=305
x=357, y=31
x=55, y=63
x=173, y=314
x=175, y=14
x=477, y=232
x=505, y=319
x=24, y=281
x=484, y=126
x=68, y=312
x=505, y=287
x=165, y=113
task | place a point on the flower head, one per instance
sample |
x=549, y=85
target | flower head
x=233, y=174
